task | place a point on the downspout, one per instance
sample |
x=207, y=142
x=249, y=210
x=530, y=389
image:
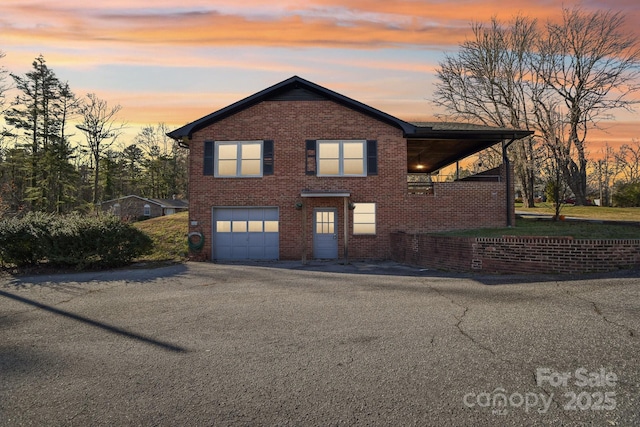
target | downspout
x=507, y=166
x=346, y=230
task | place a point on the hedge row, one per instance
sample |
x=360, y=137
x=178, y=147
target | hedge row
x=70, y=241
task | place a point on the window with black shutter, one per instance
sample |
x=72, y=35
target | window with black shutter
x=310, y=161
x=267, y=157
x=372, y=157
x=209, y=148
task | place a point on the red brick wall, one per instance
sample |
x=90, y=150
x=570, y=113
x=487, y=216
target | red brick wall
x=289, y=124
x=515, y=254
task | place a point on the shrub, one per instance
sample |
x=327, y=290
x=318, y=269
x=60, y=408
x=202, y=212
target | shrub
x=71, y=241
x=24, y=241
x=627, y=195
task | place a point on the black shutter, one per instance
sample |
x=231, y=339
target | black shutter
x=209, y=148
x=267, y=157
x=310, y=161
x=372, y=157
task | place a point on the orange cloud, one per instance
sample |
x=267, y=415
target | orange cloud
x=319, y=23
x=87, y=35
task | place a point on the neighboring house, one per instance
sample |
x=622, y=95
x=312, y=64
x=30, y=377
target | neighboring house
x=134, y=207
x=298, y=171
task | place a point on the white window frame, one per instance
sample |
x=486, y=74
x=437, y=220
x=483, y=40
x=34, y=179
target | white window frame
x=358, y=221
x=238, y=145
x=341, y=143
x=146, y=211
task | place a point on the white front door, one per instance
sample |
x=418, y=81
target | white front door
x=325, y=236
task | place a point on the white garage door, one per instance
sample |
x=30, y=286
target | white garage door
x=245, y=233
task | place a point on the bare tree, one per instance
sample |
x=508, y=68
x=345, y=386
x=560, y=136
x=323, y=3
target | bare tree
x=606, y=169
x=628, y=158
x=590, y=63
x=552, y=128
x=101, y=130
x=487, y=82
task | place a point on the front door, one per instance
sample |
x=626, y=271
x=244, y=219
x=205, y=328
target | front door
x=325, y=237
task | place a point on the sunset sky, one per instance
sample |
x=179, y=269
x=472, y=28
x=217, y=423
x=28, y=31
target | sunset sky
x=176, y=61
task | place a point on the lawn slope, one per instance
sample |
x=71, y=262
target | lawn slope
x=169, y=234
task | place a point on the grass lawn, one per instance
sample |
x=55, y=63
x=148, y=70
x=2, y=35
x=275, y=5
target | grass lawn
x=169, y=234
x=575, y=229
x=593, y=212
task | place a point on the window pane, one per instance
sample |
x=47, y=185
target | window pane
x=251, y=151
x=227, y=151
x=239, y=226
x=255, y=226
x=223, y=226
x=353, y=150
x=329, y=150
x=227, y=167
x=353, y=167
x=364, y=229
x=329, y=167
x=365, y=208
x=250, y=167
x=271, y=226
x=365, y=218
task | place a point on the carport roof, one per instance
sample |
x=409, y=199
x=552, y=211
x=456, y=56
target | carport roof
x=433, y=145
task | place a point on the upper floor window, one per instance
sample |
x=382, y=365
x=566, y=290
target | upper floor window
x=234, y=159
x=341, y=158
x=237, y=159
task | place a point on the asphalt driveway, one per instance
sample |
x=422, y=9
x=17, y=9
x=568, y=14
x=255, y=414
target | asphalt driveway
x=278, y=344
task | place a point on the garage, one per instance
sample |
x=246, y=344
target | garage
x=246, y=233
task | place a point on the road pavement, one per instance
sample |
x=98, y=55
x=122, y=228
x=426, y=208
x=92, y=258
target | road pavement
x=324, y=344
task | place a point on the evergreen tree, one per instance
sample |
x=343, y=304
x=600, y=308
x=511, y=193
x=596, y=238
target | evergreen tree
x=39, y=114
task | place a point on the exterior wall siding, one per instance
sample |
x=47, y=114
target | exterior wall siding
x=132, y=208
x=289, y=124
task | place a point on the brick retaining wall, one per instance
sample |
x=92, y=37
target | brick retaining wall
x=515, y=254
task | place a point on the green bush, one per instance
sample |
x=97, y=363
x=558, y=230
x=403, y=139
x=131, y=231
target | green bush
x=71, y=241
x=24, y=241
x=627, y=195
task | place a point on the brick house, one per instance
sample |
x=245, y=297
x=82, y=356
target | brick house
x=135, y=207
x=297, y=171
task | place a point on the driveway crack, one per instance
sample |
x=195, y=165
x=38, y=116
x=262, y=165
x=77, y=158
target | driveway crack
x=460, y=320
x=632, y=333
x=469, y=336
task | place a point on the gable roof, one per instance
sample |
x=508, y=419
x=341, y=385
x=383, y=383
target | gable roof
x=292, y=88
x=442, y=143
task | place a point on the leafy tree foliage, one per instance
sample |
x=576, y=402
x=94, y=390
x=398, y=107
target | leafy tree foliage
x=627, y=195
x=39, y=116
x=44, y=167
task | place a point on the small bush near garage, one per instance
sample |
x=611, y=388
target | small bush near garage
x=70, y=241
